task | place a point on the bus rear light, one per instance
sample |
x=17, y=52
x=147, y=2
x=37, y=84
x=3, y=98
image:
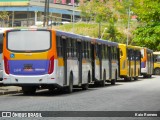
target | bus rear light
x=6, y=65
x=51, y=65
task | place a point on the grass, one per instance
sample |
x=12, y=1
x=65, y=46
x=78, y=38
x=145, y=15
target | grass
x=86, y=29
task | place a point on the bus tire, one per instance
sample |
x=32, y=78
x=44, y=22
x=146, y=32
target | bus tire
x=157, y=71
x=103, y=82
x=150, y=76
x=28, y=90
x=136, y=78
x=113, y=82
x=144, y=76
x=96, y=83
x=85, y=86
x=69, y=89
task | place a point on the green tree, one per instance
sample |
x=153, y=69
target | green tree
x=100, y=12
x=95, y=11
x=3, y=17
x=148, y=33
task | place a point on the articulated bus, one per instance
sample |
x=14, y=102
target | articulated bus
x=52, y=59
x=156, y=63
x=130, y=61
x=146, y=62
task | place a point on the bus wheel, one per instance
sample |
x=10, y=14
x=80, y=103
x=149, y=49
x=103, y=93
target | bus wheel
x=144, y=76
x=28, y=90
x=85, y=86
x=113, y=82
x=125, y=78
x=96, y=83
x=150, y=76
x=103, y=82
x=136, y=78
x=69, y=89
x=157, y=71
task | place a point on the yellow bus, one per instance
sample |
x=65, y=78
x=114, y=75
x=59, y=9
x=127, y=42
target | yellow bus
x=156, y=63
x=130, y=62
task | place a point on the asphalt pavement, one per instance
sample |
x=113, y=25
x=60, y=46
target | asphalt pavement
x=141, y=95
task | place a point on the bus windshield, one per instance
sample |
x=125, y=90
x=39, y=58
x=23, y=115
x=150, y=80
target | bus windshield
x=22, y=41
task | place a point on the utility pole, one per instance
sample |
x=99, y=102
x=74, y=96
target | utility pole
x=99, y=30
x=46, y=13
x=73, y=18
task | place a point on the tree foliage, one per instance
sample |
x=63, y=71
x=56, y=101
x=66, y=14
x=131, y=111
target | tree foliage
x=148, y=33
x=95, y=10
x=108, y=11
x=3, y=17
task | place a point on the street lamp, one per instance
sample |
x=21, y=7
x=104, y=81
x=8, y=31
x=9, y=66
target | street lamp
x=128, y=24
x=103, y=32
x=73, y=17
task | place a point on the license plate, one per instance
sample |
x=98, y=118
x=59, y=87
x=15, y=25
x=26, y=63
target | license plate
x=28, y=67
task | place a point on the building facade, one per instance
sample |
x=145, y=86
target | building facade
x=28, y=12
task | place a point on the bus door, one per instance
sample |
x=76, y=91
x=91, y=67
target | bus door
x=129, y=61
x=110, y=62
x=93, y=61
x=100, y=60
x=135, y=61
x=148, y=63
x=79, y=52
x=64, y=49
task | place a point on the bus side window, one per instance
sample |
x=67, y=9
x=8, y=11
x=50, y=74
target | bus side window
x=68, y=48
x=85, y=49
x=112, y=49
x=106, y=51
x=88, y=49
x=102, y=51
x=1, y=48
x=121, y=53
x=74, y=48
x=59, y=46
x=96, y=50
x=83, y=45
x=128, y=54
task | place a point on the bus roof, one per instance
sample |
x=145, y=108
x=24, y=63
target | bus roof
x=74, y=36
x=87, y=38
x=106, y=42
